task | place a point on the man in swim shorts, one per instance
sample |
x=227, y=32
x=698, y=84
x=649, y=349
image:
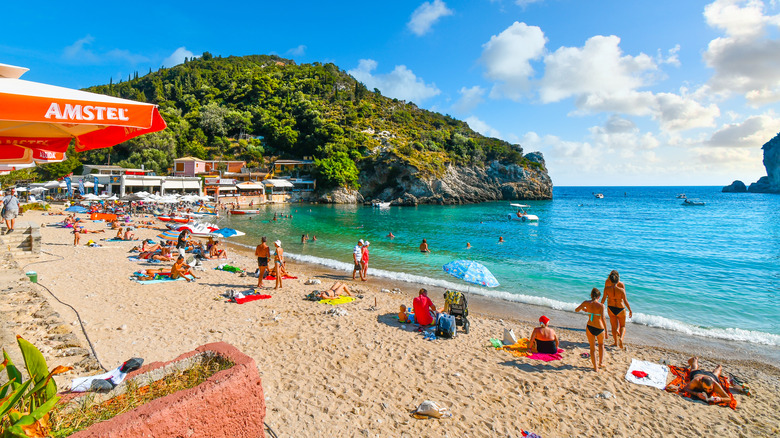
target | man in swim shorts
x=357, y=256
x=181, y=269
x=704, y=384
x=263, y=252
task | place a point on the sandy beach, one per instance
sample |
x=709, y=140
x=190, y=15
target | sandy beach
x=362, y=374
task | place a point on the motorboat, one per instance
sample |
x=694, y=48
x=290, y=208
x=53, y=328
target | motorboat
x=599, y=195
x=521, y=215
x=681, y=196
x=245, y=211
x=380, y=205
x=198, y=229
x=690, y=202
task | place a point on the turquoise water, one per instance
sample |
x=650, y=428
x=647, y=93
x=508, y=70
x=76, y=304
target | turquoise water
x=710, y=271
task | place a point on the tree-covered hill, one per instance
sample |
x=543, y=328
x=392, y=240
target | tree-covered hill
x=258, y=107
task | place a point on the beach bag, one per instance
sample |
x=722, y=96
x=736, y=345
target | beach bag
x=509, y=337
x=445, y=326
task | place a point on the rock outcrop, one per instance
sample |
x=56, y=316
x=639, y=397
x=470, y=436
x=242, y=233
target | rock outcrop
x=735, y=187
x=341, y=195
x=771, y=182
x=390, y=179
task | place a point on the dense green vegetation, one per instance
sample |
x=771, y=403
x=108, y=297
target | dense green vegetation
x=255, y=108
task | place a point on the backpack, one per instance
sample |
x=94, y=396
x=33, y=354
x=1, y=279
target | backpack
x=445, y=326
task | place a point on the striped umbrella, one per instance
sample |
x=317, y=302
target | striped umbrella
x=169, y=235
x=472, y=272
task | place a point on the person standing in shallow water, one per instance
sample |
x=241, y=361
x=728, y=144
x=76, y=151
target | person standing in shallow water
x=424, y=246
x=617, y=303
x=596, y=327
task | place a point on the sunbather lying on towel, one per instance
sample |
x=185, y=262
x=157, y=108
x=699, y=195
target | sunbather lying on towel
x=704, y=384
x=338, y=289
x=150, y=274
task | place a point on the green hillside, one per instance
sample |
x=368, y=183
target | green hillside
x=256, y=108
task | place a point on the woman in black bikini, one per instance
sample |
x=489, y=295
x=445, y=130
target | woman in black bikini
x=595, y=327
x=615, y=295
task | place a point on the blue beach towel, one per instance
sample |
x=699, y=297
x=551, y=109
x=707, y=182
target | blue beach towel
x=166, y=280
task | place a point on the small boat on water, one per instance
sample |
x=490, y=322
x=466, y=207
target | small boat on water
x=681, y=196
x=380, y=205
x=244, y=211
x=691, y=202
x=521, y=215
x=599, y=195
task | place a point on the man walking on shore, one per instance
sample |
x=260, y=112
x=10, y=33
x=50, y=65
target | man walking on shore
x=10, y=210
x=357, y=256
x=263, y=252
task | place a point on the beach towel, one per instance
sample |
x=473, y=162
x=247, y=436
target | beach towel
x=518, y=349
x=136, y=259
x=682, y=376
x=160, y=279
x=114, y=239
x=113, y=377
x=248, y=298
x=496, y=343
x=273, y=277
x=337, y=301
x=655, y=374
x=546, y=357
x=229, y=268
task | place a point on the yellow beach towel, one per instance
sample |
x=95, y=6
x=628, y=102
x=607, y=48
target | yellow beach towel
x=519, y=349
x=337, y=301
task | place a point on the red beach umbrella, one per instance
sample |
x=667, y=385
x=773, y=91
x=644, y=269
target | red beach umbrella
x=38, y=121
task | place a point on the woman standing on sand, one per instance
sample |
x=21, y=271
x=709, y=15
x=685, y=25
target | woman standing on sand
x=279, y=263
x=617, y=303
x=595, y=327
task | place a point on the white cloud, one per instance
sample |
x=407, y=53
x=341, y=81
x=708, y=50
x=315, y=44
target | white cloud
x=80, y=53
x=747, y=59
x=507, y=58
x=672, y=56
x=426, y=15
x=401, y=83
x=599, y=67
x=177, y=57
x=679, y=113
x=297, y=51
x=619, y=134
x=482, y=127
x=469, y=99
x=753, y=132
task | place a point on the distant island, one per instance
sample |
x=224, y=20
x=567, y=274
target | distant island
x=766, y=184
x=365, y=146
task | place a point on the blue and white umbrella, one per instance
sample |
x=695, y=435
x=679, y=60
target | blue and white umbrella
x=471, y=271
x=228, y=232
x=169, y=235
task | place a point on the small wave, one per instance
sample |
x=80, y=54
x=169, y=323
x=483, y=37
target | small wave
x=731, y=334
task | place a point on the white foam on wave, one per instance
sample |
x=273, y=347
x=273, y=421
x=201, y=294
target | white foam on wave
x=731, y=334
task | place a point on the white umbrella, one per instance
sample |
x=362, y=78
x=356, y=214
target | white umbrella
x=21, y=189
x=37, y=190
x=51, y=185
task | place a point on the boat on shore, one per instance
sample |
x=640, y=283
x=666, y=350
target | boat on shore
x=521, y=215
x=239, y=212
x=178, y=219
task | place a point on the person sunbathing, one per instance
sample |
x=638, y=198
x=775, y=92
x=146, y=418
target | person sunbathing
x=216, y=253
x=150, y=274
x=543, y=339
x=181, y=269
x=338, y=289
x=704, y=384
x=129, y=235
x=119, y=234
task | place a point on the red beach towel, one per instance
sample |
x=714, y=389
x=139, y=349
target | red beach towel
x=249, y=298
x=547, y=357
x=273, y=277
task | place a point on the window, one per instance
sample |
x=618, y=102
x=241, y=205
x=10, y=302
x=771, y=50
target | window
x=180, y=167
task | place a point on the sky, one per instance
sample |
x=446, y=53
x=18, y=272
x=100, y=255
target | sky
x=612, y=93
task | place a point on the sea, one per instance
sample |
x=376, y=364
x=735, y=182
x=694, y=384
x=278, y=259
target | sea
x=710, y=271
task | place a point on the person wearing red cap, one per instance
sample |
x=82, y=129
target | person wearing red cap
x=543, y=338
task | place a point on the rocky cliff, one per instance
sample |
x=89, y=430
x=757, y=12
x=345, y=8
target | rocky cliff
x=387, y=178
x=771, y=182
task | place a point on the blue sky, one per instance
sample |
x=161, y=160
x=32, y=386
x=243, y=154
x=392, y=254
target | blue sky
x=612, y=92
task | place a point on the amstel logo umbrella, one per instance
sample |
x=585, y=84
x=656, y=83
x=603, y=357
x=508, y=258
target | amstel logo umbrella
x=38, y=121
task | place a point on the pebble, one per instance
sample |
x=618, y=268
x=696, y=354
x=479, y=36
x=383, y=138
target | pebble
x=122, y=327
x=605, y=395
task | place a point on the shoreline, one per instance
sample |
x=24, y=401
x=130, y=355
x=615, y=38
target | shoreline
x=360, y=374
x=500, y=309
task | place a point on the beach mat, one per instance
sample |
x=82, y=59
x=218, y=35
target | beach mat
x=248, y=298
x=273, y=278
x=337, y=301
x=165, y=280
x=656, y=374
x=120, y=240
x=546, y=357
x=682, y=376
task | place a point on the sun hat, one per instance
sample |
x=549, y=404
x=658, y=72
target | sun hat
x=544, y=320
x=361, y=242
x=368, y=243
x=278, y=242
